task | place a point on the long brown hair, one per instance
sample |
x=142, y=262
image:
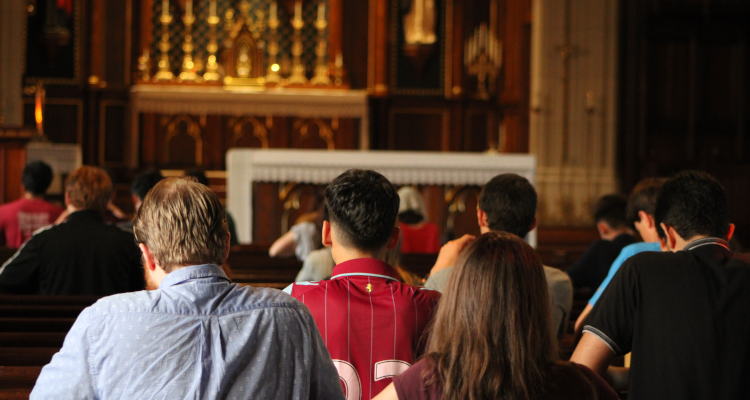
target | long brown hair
x=491, y=334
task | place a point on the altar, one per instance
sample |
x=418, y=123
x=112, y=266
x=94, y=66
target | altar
x=246, y=168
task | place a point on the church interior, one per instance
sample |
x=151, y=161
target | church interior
x=272, y=99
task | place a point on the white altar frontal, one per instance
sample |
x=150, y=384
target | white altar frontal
x=245, y=166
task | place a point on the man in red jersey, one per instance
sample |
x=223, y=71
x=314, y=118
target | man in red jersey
x=19, y=219
x=371, y=323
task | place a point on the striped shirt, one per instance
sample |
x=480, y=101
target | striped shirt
x=371, y=323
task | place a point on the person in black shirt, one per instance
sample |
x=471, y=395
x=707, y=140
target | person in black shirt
x=82, y=256
x=684, y=313
x=615, y=232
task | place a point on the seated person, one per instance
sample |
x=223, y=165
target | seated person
x=318, y=265
x=302, y=238
x=641, y=208
x=200, y=175
x=417, y=234
x=491, y=336
x=371, y=323
x=141, y=186
x=508, y=203
x=194, y=334
x=82, y=256
x=19, y=219
x=682, y=312
x=615, y=232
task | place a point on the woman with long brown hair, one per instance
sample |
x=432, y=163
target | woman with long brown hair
x=491, y=337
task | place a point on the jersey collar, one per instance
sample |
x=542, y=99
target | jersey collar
x=365, y=267
x=706, y=241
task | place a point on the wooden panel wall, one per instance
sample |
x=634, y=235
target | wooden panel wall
x=685, y=95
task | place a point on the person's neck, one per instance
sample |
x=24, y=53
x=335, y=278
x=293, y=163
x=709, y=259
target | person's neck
x=681, y=243
x=342, y=254
x=71, y=209
x=32, y=196
x=611, y=235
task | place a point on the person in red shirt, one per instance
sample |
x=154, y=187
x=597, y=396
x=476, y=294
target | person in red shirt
x=19, y=219
x=418, y=235
x=371, y=323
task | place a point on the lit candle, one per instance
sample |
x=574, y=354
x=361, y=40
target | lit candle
x=321, y=11
x=189, y=8
x=273, y=10
x=212, y=9
x=339, y=60
x=298, y=11
x=165, y=8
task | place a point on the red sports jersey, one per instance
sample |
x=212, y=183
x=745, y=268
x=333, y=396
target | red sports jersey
x=19, y=219
x=371, y=323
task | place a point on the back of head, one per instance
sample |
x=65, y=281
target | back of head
x=643, y=198
x=89, y=188
x=37, y=177
x=611, y=209
x=362, y=205
x=491, y=334
x=199, y=175
x=145, y=182
x=182, y=222
x=693, y=203
x=411, y=209
x=509, y=200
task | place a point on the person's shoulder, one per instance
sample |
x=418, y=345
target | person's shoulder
x=422, y=293
x=121, y=303
x=639, y=247
x=299, y=289
x=555, y=275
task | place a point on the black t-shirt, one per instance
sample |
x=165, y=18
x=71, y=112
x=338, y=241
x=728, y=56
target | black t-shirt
x=82, y=256
x=593, y=266
x=686, y=318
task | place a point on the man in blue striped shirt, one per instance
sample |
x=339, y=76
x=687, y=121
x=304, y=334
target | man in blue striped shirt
x=195, y=335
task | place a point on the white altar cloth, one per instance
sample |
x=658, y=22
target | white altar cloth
x=245, y=166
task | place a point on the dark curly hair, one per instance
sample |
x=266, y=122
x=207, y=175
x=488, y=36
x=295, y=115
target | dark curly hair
x=363, y=206
x=509, y=200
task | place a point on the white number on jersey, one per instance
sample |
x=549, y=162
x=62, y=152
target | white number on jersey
x=350, y=377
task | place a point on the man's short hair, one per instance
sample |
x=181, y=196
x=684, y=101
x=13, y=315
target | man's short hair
x=611, y=209
x=643, y=198
x=509, y=201
x=89, y=188
x=183, y=223
x=145, y=182
x=363, y=206
x=37, y=177
x=693, y=203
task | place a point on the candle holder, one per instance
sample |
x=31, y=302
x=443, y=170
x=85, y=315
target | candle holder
x=187, y=73
x=483, y=58
x=212, y=66
x=164, y=74
x=272, y=72
x=298, y=69
x=321, y=77
x=144, y=66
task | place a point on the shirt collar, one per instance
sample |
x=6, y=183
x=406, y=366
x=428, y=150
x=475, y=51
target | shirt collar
x=183, y=274
x=85, y=214
x=365, y=267
x=706, y=241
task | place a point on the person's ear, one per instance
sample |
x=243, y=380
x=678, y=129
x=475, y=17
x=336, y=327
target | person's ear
x=603, y=228
x=227, y=246
x=730, y=232
x=394, y=238
x=326, y=234
x=533, y=225
x=481, y=218
x=646, y=219
x=671, y=236
x=148, y=258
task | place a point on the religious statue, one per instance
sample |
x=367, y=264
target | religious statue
x=419, y=21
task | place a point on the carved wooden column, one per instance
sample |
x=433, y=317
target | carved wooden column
x=574, y=106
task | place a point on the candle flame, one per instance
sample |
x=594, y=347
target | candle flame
x=39, y=104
